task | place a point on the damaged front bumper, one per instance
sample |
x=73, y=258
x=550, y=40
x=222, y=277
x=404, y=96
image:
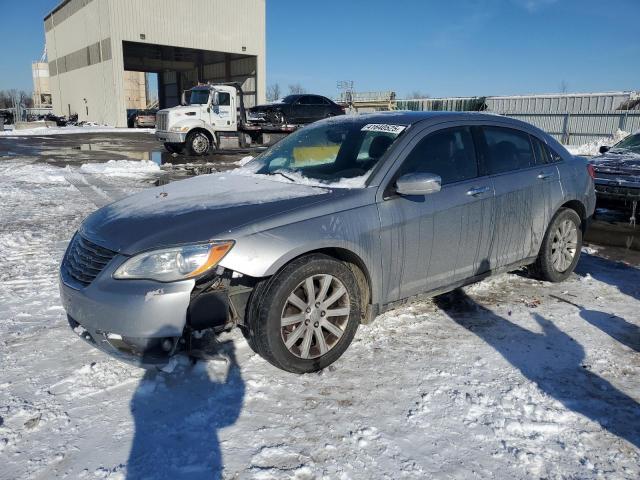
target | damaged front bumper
x=145, y=322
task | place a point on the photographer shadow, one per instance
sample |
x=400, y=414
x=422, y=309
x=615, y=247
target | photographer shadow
x=177, y=418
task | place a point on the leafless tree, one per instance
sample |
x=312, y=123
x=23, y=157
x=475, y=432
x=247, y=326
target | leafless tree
x=5, y=99
x=296, y=88
x=273, y=92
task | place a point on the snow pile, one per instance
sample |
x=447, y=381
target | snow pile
x=593, y=148
x=121, y=167
x=44, y=131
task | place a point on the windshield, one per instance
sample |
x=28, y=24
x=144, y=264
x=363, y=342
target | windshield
x=330, y=151
x=198, y=97
x=632, y=143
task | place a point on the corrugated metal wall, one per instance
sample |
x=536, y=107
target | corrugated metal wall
x=579, y=128
x=572, y=119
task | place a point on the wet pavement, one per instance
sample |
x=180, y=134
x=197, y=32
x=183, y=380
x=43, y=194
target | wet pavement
x=611, y=233
x=63, y=150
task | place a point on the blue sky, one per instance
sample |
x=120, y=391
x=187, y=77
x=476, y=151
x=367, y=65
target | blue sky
x=438, y=47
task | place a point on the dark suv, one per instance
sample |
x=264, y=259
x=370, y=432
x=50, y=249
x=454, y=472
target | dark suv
x=295, y=109
x=618, y=172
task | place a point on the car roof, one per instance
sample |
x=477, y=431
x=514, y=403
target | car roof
x=406, y=117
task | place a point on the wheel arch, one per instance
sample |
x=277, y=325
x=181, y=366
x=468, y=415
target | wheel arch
x=210, y=136
x=578, y=207
x=355, y=263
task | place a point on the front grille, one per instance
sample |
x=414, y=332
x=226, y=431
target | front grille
x=618, y=192
x=162, y=120
x=84, y=260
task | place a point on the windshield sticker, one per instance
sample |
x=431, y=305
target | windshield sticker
x=383, y=127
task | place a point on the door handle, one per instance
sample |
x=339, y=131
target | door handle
x=473, y=192
x=544, y=175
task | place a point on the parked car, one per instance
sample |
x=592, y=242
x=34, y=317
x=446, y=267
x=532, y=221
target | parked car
x=295, y=109
x=142, y=119
x=323, y=231
x=617, y=172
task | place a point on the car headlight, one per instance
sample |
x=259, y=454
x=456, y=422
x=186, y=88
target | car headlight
x=172, y=264
x=180, y=129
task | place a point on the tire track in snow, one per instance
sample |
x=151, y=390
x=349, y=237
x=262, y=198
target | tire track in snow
x=99, y=192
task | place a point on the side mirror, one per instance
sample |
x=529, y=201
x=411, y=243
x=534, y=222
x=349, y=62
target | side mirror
x=215, y=99
x=418, y=184
x=604, y=149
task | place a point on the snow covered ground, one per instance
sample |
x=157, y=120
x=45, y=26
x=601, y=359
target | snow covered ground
x=511, y=378
x=46, y=131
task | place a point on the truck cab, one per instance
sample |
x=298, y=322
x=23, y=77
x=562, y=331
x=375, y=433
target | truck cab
x=205, y=113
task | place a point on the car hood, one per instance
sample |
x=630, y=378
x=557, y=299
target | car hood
x=208, y=207
x=623, y=163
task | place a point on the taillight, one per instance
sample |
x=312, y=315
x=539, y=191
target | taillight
x=591, y=170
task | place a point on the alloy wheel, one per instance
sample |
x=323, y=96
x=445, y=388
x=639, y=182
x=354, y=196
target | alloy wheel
x=564, y=246
x=200, y=143
x=315, y=316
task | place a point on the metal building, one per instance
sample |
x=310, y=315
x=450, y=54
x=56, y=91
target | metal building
x=91, y=43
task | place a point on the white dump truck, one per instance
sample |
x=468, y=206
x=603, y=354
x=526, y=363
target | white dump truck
x=207, y=113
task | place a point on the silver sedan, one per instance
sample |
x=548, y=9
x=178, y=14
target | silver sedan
x=323, y=231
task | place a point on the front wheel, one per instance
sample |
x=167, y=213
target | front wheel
x=304, y=318
x=198, y=143
x=560, y=249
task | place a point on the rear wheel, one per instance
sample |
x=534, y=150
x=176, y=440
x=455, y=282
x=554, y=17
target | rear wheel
x=304, y=318
x=560, y=250
x=198, y=143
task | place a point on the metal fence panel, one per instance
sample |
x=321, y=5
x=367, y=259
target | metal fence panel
x=580, y=128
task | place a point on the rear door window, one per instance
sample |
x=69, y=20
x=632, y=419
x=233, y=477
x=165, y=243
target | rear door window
x=448, y=153
x=508, y=150
x=541, y=152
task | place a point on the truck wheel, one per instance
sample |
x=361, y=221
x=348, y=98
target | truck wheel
x=560, y=249
x=304, y=317
x=198, y=143
x=174, y=147
x=257, y=138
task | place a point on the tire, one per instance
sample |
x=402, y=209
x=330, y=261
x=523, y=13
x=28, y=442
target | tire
x=562, y=238
x=174, y=147
x=198, y=143
x=277, y=118
x=309, y=340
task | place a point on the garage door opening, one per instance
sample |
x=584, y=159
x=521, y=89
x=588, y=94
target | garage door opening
x=179, y=69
